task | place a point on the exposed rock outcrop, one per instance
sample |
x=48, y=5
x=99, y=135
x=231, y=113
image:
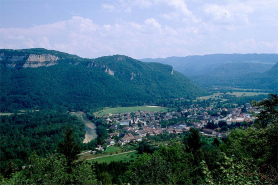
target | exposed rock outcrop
x=109, y=71
x=96, y=65
x=31, y=60
x=120, y=58
x=132, y=76
x=40, y=60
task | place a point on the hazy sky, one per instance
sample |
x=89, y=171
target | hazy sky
x=141, y=28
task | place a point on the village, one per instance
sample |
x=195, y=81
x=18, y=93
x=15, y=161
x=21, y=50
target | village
x=134, y=126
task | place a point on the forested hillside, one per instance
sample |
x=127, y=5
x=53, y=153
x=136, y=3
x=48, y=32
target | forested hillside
x=39, y=132
x=45, y=79
x=226, y=70
x=267, y=80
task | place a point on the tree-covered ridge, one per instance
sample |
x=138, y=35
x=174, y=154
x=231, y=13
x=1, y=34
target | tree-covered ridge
x=36, y=51
x=81, y=84
x=249, y=71
x=267, y=80
x=203, y=65
x=39, y=132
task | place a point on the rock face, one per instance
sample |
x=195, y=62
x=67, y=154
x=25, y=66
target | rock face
x=106, y=69
x=132, y=76
x=109, y=71
x=40, y=60
x=31, y=60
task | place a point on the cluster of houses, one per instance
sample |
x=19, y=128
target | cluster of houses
x=132, y=127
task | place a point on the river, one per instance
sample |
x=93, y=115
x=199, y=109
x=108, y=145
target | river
x=90, y=127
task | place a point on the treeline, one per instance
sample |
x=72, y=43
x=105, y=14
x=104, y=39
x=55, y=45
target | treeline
x=266, y=80
x=82, y=84
x=39, y=132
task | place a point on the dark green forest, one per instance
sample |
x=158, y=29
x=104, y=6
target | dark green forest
x=39, y=132
x=81, y=84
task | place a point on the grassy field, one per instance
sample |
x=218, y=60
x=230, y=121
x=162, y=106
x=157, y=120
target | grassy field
x=120, y=157
x=237, y=94
x=9, y=113
x=251, y=90
x=112, y=149
x=107, y=111
x=214, y=96
x=5, y=114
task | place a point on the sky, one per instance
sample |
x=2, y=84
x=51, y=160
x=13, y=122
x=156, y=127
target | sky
x=140, y=28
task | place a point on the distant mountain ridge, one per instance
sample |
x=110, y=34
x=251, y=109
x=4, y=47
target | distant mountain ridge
x=223, y=70
x=203, y=65
x=45, y=78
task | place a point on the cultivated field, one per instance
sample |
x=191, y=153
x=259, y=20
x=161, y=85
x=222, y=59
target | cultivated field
x=107, y=111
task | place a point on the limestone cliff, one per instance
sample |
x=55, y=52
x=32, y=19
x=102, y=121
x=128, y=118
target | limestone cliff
x=40, y=60
x=109, y=71
x=97, y=65
x=31, y=60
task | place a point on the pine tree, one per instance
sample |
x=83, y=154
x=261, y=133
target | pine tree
x=69, y=148
x=193, y=141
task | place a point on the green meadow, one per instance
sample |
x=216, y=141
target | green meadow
x=117, y=157
x=117, y=110
x=237, y=94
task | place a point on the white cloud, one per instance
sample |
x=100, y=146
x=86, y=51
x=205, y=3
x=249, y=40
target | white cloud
x=108, y=7
x=82, y=37
x=84, y=24
x=252, y=46
x=170, y=16
x=180, y=10
x=153, y=23
x=127, y=5
x=179, y=5
x=43, y=43
x=232, y=13
x=171, y=28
